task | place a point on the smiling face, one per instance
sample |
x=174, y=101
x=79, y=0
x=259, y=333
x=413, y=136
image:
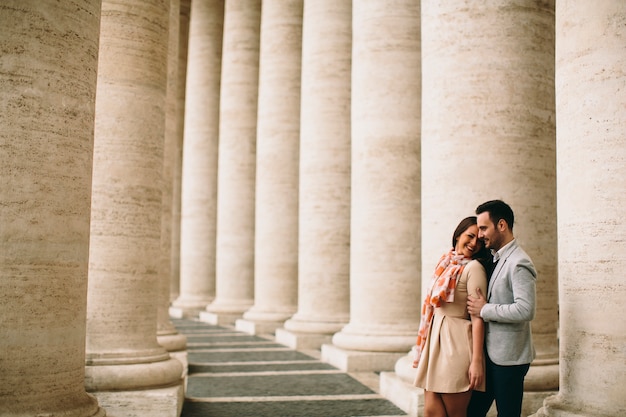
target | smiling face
x=489, y=232
x=467, y=244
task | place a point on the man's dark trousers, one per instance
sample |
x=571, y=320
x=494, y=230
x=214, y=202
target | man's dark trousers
x=505, y=384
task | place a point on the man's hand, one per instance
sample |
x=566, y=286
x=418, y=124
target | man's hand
x=475, y=304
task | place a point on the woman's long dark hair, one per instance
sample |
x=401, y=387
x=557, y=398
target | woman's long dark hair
x=483, y=255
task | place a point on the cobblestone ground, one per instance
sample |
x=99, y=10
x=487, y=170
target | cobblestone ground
x=235, y=374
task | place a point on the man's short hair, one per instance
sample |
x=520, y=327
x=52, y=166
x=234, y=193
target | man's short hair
x=498, y=210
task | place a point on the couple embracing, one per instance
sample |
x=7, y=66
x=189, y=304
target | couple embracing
x=474, y=343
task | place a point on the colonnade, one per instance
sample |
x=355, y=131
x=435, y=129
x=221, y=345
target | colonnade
x=302, y=183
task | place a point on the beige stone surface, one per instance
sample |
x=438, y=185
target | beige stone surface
x=237, y=162
x=488, y=132
x=278, y=129
x=591, y=146
x=167, y=335
x=324, y=186
x=385, y=200
x=200, y=147
x=500, y=123
x=358, y=360
x=158, y=402
x=125, y=247
x=48, y=66
x=183, y=36
x=308, y=340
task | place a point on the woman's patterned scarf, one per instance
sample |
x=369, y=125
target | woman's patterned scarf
x=443, y=283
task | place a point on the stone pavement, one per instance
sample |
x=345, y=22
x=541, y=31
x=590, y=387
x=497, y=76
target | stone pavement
x=236, y=374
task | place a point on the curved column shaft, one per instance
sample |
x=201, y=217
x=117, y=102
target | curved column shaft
x=237, y=162
x=591, y=147
x=278, y=128
x=488, y=132
x=125, y=249
x=324, y=206
x=48, y=83
x=167, y=335
x=385, y=227
x=199, y=171
x=183, y=39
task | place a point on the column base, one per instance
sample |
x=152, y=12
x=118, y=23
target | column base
x=173, y=342
x=542, y=376
x=182, y=357
x=404, y=395
x=72, y=404
x=219, y=319
x=176, y=345
x=302, y=341
x=300, y=323
x=541, y=381
x=185, y=312
x=257, y=327
x=158, y=402
x=132, y=376
x=259, y=321
x=375, y=339
x=555, y=406
x=184, y=308
x=534, y=401
x=100, y=413
x=359, y=361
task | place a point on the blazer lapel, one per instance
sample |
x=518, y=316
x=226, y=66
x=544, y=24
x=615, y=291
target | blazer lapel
x=499, y=266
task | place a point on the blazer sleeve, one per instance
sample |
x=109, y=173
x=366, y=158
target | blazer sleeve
x=520, y=307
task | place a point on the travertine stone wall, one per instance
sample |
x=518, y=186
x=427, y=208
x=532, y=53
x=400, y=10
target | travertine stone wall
x=385, y=201
x=123, y=355
x=48, y=68
x=591, y=147
x=278, y=134
x=237, y=162
x=324, y=206
x=167, y=335
x=200, y=145
x=489, y=132
x=183, y=39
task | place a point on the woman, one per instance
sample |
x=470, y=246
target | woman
x=449, y=351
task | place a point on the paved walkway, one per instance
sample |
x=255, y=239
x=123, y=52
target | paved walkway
x=235, y=374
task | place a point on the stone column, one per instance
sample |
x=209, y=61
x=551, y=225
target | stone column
x=127, y=370
x=199, y=171
x=488, y=132
x=278, y=129
x=324, y=214
x=237, y=161
x=167, y=335
x=385, y=201
x=591, y=149
x=48, y=72
x=183, y=39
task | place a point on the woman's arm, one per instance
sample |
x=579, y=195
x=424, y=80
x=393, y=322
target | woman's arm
x=477, y=281
x=476, y=369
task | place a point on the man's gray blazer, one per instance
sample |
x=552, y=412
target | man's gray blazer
x=510, y=308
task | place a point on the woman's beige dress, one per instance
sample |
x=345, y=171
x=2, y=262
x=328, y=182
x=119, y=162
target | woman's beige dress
x=446, y=357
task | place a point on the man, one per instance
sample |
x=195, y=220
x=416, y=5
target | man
x=507, y=311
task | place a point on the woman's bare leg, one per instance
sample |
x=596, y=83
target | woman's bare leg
x=433, y=405
x=456, y=404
